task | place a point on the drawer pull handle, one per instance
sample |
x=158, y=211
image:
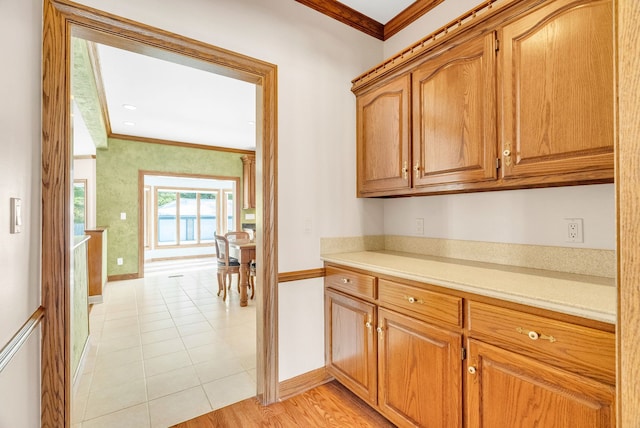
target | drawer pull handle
x=346, y=280
x=533, y=335
x=471, y=370
x=413, y=300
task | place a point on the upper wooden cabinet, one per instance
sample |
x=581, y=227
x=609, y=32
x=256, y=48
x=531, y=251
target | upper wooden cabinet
x=454, y=107
x=248, y=181
x=557, y=91
x=523, y=97
x=384, y=118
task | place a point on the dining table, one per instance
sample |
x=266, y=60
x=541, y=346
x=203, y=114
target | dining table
x=245, y=251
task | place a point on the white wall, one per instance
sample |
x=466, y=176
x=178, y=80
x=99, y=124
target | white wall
x=532, y=216
x=20, y=44
x=316, y=57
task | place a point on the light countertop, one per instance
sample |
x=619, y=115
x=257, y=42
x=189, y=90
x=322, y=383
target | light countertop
x=586, y=296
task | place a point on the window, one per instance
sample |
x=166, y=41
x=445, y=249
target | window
x=79, y=206
x=190, y=217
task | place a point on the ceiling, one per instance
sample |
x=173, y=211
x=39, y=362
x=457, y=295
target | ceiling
x=150, y=98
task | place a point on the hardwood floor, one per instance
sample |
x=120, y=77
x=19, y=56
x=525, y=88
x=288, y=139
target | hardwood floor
x=328, y=405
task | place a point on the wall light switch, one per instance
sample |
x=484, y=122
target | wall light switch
x=16, y=215
x=123, y=216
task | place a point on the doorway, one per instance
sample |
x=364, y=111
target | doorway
x=61, y=21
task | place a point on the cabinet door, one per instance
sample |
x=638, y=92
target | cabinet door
x=509, y=390
x=383, y=119
x=557, y=92
x=454, y=115
x=420, y=372
x=350, y=344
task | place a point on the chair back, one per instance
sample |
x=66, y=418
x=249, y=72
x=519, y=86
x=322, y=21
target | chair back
x=222, y=250
x=234, y=236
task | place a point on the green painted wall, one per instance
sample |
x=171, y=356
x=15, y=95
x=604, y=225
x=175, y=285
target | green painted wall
x=80, y=310
x=85, y=92
x=117, y=188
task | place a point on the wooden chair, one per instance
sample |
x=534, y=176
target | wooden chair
x=226, y=265
x=232, y=236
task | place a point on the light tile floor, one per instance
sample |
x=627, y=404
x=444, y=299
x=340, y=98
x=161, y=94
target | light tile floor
x=165, y=349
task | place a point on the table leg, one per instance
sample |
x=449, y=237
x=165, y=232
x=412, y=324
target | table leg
x=244, y=283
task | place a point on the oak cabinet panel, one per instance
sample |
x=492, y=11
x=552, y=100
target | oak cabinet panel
x=420, y=372
x=454, y=108
x=557, y=91
x=383, y=151
x=525, y=367
x=523, y=99
x=572, y=347
x=350, y=282
x=350, y=344
x=506, y=389
x=97, y=263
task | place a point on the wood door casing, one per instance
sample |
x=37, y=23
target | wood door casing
x=557, y=90
x=383, y=137
x=511, y=390
x=454, y=115
x=350, y=345
x=420, y=372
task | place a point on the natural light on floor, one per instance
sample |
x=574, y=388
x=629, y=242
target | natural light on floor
x=165, y=349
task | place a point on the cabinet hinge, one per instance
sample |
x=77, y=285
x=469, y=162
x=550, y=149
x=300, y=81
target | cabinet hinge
x=463, y=354
x=497, y=163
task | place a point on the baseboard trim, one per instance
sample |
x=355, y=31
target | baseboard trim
x=304, y=382
x=123, y=277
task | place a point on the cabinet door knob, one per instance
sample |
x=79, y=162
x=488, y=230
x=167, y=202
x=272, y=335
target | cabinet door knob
x=379, y=330
x=368, y=325
x=346, y=280
x=471, y=370
x=416, y=168
x=506, y=153
x=405, y=170
x=412, y=299
x=534, y=335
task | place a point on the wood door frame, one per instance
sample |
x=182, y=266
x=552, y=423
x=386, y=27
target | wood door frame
x=61, y=19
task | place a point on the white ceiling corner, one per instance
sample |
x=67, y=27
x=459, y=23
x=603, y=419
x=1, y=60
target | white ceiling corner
x=380, y=10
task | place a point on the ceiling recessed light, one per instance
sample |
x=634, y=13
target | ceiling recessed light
x=129, y=106
x=129, y=123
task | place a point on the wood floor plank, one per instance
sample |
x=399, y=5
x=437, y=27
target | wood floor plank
x=329, y=405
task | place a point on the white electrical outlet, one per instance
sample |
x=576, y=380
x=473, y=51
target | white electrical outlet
x=120, y=261
x=419, y=230
x=574, y=230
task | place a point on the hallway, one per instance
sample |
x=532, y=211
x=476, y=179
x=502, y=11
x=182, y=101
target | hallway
x=165, y=349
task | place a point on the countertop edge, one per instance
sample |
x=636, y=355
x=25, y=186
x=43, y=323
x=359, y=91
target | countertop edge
x=565, y=308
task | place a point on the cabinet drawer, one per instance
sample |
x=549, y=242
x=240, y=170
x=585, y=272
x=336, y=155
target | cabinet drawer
x=573, y=347
x=356, y=284
x=425, y=304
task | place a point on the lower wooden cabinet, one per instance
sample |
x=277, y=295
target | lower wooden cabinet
x=410, y=351
x=350, y=344
x=506, y=389
x=419, y=372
